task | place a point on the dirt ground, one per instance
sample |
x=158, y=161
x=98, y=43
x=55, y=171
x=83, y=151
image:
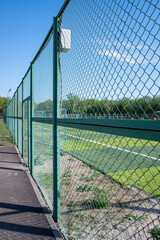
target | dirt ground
x=95, y=207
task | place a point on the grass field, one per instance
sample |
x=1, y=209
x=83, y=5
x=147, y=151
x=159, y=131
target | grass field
x=128, y=161
x=5, y=136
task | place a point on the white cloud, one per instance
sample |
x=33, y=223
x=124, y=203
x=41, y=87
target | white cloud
x=124, y=57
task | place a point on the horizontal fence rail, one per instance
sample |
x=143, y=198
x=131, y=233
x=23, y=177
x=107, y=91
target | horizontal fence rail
x=86, y=119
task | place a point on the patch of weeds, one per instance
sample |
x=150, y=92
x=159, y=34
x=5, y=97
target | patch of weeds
x=66, y=182
x=38, y=161
x=79, y=216
x=84, y=188
x=66, y=174
x=99, y=199
x=86, y=178
x=96, y=173
x=45, y=180
x=155, y=232
x=101, y=236
x=73, y=206
x=132, y=217
x=66, y=178
x=71, y=159
x=85, y=165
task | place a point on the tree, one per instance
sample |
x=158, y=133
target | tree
x=3, y=104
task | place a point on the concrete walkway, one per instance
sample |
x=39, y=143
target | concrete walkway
x=21, y=214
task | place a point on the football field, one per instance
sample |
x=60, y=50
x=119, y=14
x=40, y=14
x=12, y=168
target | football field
x=128, y=161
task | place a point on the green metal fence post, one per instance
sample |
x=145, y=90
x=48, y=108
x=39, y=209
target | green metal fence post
x=31, y=156
x=14, y=118
x=22, y=123
x=56, y=149
x=17, y=122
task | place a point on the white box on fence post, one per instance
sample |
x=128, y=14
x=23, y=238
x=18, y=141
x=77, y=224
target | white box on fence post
x=65, y=40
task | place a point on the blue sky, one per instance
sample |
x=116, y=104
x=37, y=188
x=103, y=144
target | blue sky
x=23, y=27
x=114, y=53
x=115, y=49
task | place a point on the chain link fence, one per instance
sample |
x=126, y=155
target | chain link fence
x=86, y=119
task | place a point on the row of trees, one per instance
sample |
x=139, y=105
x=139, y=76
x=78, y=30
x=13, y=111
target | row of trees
x=3, y=104
x=74, y=105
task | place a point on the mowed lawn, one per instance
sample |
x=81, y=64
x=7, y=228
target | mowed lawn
x=5, y=136
x=129, y=161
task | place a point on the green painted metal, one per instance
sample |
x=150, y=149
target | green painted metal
x=28, y=122
x=14, y=117
x=43, y=120
x=149, y=130
x=56, y=160
x=17, y=121
x=22, y=121
x=132, y=133
x=63, y=8
x=149, y=125
x=83, y=151
x=31, y=122
x=27, y=99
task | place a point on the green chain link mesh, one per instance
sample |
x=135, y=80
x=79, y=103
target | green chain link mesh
x=108, y=73
x=110, y=184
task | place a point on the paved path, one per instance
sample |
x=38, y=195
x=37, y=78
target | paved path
x=21, y=215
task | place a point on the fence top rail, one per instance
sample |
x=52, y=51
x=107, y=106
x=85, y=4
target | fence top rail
x=63, y=8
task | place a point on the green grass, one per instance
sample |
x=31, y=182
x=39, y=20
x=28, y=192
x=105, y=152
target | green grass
x=5, y=136
x=99, y=199
x=155, y=232
x=123, y=167
x=147, y=179
x=45, y=180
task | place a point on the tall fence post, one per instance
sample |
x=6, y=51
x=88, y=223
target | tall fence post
x=56, y=149
x=22, y=123
x=14, y=119
x=31, y=152
x=17, y=120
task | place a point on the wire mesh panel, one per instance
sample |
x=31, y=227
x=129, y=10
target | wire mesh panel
x=43, y=79
x=43, y=108
x=15, y=119
x=26, y=105
x=26, y=131
x=112, y=68
x=26, y=86
x=109, y=64
x=100, y=129
x=43, y=159
x=109, y=186
x=20, y=118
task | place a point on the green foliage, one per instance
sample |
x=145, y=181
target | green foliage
x=155, y=233
x=86, y=178
x=38, y=161
x=5, y=136
x=73, y=104
x=67, y=174
x=47, y=105
x=84, y=188
x=99, y=199
x=131, y=217
x=3, y=104
x=66, y=178
x=45, y=180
